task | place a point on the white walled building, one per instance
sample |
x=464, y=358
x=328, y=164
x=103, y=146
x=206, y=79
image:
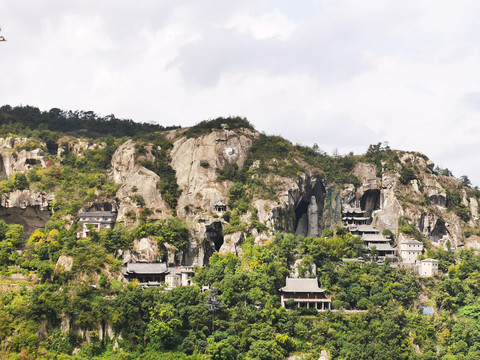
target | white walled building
x=179, y=276
x=97, y=220
x=409, y=251
x=428, y=267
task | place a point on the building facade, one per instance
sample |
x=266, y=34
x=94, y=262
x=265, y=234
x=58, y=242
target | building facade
x=304, y=293
x=148, y=274
x=428, y=268
x=410, y=250
x=96, y=220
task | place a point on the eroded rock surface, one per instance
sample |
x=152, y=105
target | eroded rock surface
x=14, y=159
x=135, y=181
x=26, y=208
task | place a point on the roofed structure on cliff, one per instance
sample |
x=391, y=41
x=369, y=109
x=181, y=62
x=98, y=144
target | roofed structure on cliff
x=304, y=293
x=220, y=206
x=158, y=273
x=148, y=274
x=380, y=243
x=100, y=216
x=354, y=217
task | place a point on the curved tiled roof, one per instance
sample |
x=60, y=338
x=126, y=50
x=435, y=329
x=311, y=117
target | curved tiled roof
x=301, y=285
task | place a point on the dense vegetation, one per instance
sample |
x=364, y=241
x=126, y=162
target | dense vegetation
x=240, y=317
x=78, y=123
x=246, y=321
x=229, y=123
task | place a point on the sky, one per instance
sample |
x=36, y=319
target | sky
x=343, y=74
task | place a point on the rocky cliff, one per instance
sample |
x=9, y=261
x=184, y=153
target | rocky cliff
x=273, y=192
x=25, y=207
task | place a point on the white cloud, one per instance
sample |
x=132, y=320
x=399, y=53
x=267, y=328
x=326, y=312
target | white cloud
x=343, y=74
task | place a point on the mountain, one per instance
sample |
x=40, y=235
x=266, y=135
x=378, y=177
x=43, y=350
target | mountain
x=265, y=183
x=245, y=209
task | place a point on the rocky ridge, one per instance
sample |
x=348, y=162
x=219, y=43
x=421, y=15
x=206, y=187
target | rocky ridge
x=197, y=160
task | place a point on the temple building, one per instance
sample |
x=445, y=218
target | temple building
x=354, y=217
x=380, y=243
x=157, y=274
x=220, y=207
x=148, y=274
x=304, y=293
x=99, y=215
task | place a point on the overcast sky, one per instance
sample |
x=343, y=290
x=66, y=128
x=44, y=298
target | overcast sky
x=342, y=74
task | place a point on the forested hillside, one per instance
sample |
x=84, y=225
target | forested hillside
x=63, y=296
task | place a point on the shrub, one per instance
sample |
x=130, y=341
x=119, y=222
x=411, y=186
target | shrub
x=406, y=175
x=138, y=200
x=19, y=181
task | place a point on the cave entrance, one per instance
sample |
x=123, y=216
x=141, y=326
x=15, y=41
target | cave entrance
x=439, y=231
x=31, y=218
x=32, y=162
x=370, y=201
x=214, y=234
x=301, y=210
x=101, y=206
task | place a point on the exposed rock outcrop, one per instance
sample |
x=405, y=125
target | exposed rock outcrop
x=135, y=181
x=27, y=208
x=64, y=263
x=423, y=200
x=14, y=156
x=195, y=161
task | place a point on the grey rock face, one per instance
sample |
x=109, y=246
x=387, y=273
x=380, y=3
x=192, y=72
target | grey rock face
x=13, y=159
x=135, y=180
x=26, y=208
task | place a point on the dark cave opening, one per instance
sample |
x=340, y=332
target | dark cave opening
x=439, y=231
x=32, y=162
x=370, y=201
x=31, y=218
x=101, y=206
x=214, y=233
x=301, y=217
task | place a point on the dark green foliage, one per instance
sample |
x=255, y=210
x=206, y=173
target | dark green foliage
x=238, y=198
x=388, y=234
x=232, y=173
x=138, y=200
x=382, y=157
x=173, y=231
x=465, y=180
x=22, y=119
x=336, y=169
x=454, y=203
x=406, y=175
x=248, y=320
x=406, y=227
x=220, y=123
x=18, y=181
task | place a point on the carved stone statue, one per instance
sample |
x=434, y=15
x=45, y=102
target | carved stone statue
x=313, y=217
